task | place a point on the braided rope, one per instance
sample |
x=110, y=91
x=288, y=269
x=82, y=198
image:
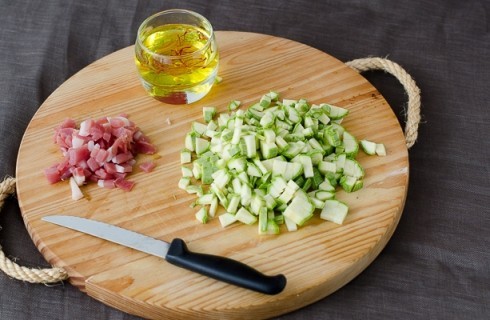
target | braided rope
x=12, y=269
x=413, y=92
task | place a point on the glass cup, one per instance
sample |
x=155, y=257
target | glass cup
x=176, y=56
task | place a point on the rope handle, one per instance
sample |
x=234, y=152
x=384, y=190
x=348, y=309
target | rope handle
x=12, y=269
x=411, y=88
x=52, y=275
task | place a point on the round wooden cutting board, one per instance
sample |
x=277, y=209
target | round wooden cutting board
x=317, y=259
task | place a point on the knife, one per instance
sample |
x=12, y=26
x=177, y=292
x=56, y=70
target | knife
x=177, y=253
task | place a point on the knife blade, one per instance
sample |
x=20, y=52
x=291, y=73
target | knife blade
x=177, y=253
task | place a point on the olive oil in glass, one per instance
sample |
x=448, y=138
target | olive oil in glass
x=177, y=62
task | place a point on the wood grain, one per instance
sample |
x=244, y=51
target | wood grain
x=318, y=259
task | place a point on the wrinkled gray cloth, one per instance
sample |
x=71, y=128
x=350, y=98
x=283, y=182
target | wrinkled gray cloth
x=437, y=264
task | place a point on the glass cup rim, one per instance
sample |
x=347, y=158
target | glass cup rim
x=195, y=14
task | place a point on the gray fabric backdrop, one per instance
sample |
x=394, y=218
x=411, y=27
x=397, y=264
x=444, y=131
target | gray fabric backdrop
x=436, y=265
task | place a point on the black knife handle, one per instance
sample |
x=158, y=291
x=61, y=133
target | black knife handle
x=224, y=269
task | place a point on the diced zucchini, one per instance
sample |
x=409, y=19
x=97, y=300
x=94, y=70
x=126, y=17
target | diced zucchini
x=185, y=156
x=227, y=219
x=202, y=146
x=299, y=210
x=260, y=162
x=288, y=192
x=263, y=220
x=272, y=227
x=186, y=172
x=199, y=128
x=261, y=166
x=273, y=95
x=279, y=219
x=340, y=162
x=290, y=225
x=317, y=178
x=316, y=156
x=331, y=136
x=350, y=144
x=337, y=127
x=237, y=163
x=335, y=112
x=206, y=199
x=323, y=118
x=278, y=184
x=213, y=207
x=327, y=186
x=294, y=149
x=190, y=141
x=208, y=113
x=319, y=204
x=221, y=178
x=194, y=189
x=244, y=178
x=307, y=166
x=234, y=105
x=237, y=133
x=244, y=216
x=237, y=185
x=269, y=149
x=184, y=182
x=293, y=170
x=202, y=215
x=250, y=145
x=265, y=101
x=380, y=149
x=334, y=211
x=324, y=195
x=270, y=203
x=307, y=184
x=245, y=195
x=353, y=168
x=253, y=171
x=268, y=120
x=257, y=203
x=325, y=167
x=368, y=147
x=279, y=167
x=233, y=203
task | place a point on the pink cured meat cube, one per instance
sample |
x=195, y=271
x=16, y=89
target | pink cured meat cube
x=77, y=155
x=52, y=174
x=83, y=164
x=97, y=131
x=101, y=150
x=123, y=184
x=110, y=167
x=68, y=123
x=118, y=175
x=147, y=166
x=104, y=175
x=86, y=127
x=145, y=147
x=122, y=168
x=122, y=157
x=122, y=132
x=78, y=174
x=118, y=122
x=63, y=137
x=102, y=156
x=93, y=164
x=106, y=136
x=108, y=184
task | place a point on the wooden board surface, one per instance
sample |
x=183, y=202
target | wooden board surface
x=317, y=259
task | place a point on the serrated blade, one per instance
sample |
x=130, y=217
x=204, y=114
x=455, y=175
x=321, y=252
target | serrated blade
x=112, y=233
